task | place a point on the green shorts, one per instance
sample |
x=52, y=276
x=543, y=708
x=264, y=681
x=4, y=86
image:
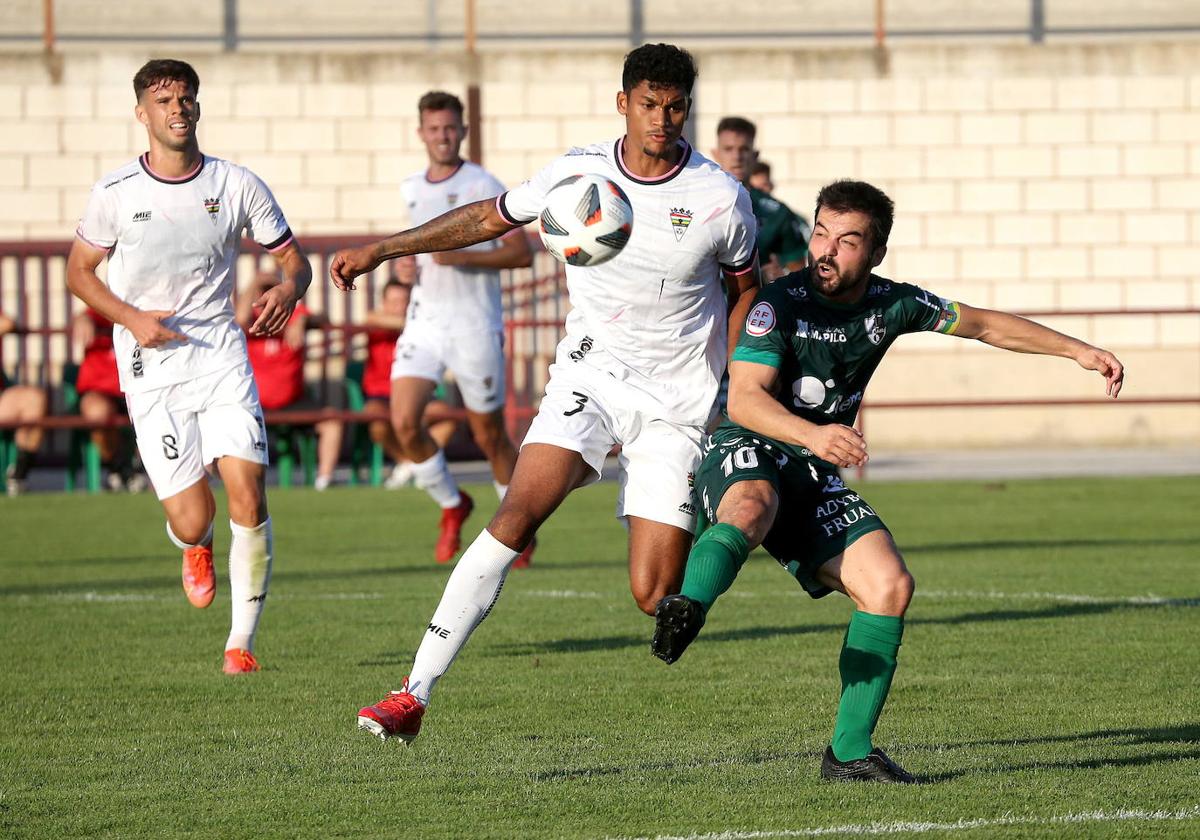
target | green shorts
x=819, y=517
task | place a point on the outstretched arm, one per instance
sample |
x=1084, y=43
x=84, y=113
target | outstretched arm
x=460, y=227
x=513, y=252
x=1012, y=332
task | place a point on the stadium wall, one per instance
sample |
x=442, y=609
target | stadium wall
x=1050, y=177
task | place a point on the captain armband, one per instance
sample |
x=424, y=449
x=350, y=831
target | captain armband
x=948, y=318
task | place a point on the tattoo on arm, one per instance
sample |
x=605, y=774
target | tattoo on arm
x=458, y=228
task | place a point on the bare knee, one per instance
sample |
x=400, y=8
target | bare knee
x=647, y=595
x=514, y=525
x=191, y=526
x=378, y=431
x=247, y=506
x=889, y=594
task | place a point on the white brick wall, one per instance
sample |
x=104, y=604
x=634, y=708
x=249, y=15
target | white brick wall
x=1026, y=178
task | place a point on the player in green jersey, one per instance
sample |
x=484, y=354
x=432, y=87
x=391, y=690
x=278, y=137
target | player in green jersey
x=782, y=233
x=769, y=475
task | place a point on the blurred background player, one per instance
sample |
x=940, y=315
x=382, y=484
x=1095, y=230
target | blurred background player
x=782, y=233
x=101, y=398
x=454, y=322
x=384, y=326
x=170, y=223
x=760, y=177
x=644, y=348
x=770, y=477
x=278, y=365
x=23, y=404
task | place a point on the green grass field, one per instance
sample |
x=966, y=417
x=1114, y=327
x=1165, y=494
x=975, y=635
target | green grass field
x=1049, y=682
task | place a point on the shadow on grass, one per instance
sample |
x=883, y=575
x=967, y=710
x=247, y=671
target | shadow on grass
x=1081, y=764
x=1008, y=545
x=1185, y=733
x=591, y=644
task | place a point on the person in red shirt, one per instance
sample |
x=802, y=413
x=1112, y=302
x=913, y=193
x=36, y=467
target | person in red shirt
x=278, y=364
x=101, y=398
x=21, y=403
x=385, y=325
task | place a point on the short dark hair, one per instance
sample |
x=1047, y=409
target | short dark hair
x=761, y=168
x=439, y=100
x=662, y=65
x=847, y=196
x=738, y=125
x=161, y=71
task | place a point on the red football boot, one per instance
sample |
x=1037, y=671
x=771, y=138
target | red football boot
x=525, y=557
x=396, y=716
x=450, y=540
x=199, y=581
x=238, y=661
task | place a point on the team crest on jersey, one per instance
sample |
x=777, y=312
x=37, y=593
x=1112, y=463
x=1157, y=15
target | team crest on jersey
x=213, y=206
x=452, y=199
x=876, y=330
x=680, y=219
x=761, y=319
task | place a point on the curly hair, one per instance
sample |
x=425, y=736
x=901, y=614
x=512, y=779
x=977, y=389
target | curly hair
x=161, y=71
x=846, y=196
x=662, y=65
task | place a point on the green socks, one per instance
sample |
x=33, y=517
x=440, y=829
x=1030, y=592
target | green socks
x=713, y=563
x=867, y=665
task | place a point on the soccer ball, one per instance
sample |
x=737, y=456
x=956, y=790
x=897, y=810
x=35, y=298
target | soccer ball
x=586, y=221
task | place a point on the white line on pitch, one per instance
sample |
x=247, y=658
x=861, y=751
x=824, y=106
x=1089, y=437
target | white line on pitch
x=922, y=827
x=1148, y=600
x=136, y=597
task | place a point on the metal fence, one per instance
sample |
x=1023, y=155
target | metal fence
x=499, y=24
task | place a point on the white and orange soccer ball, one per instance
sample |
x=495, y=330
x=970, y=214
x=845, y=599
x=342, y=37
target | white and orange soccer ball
x=587, y=220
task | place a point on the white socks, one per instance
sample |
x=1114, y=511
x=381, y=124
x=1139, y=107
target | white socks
x=250, y=555
x=470, y=593
x=207, y=540
x=433, y=476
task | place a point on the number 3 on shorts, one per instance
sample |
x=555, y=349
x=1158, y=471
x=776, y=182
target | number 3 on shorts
x=744, y=458
x=580, y=402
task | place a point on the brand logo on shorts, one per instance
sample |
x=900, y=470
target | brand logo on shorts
x=833, y=484
x=141, y=216
x=688, y=508
x=136, y=365
x=761, y=319
x=585, y=346
x=680, y=219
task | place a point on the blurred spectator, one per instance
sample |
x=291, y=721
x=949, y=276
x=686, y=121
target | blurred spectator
x=782, y=233
x=22, y=404
x=101, y=398
x=278, y=364
x=385, y=326
x=760, y=177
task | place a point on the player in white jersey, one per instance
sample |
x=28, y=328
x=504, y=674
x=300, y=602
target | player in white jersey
x=170, y=224
x=645, y=347
x=454, y=322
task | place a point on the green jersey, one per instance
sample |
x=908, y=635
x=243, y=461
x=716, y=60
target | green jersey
x=826, y=352
x=781, y=232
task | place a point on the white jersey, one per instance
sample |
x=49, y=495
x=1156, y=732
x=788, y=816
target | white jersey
x=173, y=244
x=655, y=315
x=447, y=298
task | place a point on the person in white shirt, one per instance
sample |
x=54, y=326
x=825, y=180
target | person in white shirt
x=639, y=365
x=170, y=223
x=454, y=323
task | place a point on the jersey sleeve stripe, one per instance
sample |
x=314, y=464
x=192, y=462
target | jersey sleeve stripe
x=109, y=247
x=504, y=214
x=742, y=267
x=757, y=356
x=280, y=242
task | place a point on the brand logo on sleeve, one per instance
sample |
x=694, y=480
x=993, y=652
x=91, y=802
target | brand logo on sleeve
x=761, y=319
x=680, y=219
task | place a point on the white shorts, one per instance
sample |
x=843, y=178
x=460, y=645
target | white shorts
x=183, y=428
x=477, y=361
x=658, y=459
